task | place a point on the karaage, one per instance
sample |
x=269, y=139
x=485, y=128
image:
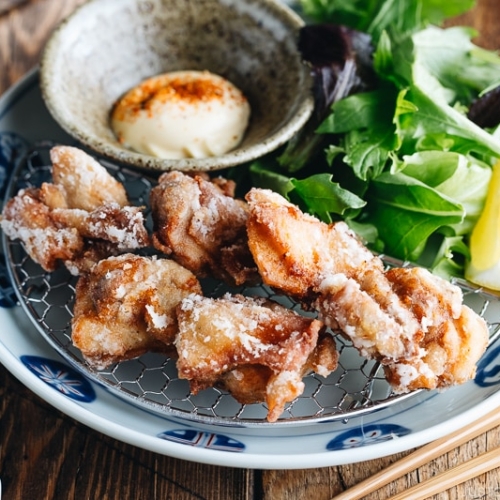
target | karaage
x=413, y=322
x=126, y=306
x=85, y=183
x=257, y=349
x=82, y=217
x=197, y=223
x=26, y=218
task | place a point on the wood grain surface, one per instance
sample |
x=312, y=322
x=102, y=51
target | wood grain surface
x=45, y=454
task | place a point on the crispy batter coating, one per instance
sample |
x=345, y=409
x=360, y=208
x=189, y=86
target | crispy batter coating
x=293, y=251
x=413, y=322
x=86, y=184
x=249, y=383
x=122, y=226
x=126, y=306
x=80, y=219
x=257, y=349
x=455, y=336
x=202, y=228
x=26, y=218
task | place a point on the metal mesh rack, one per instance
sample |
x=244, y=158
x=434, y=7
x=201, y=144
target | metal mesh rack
x=357, y=386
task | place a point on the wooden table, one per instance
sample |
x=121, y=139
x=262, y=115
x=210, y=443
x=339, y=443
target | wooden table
x=45, y=454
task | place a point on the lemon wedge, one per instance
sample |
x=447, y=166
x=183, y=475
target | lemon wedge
x=484, y=266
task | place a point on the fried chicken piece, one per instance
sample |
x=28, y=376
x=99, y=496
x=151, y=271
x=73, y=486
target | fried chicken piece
x=428, y=297
x=52, y=195
x=248, y=383
x=343, y=305
x=293, y=251
x=444, y=350
x=26, y=218
x=122, y=226
x=80, y=219
x=202, y=228
x=257, y=349
x=411, y=321
x=126, y=306
x=86, y=184
x=92, y=252
x=455, y=336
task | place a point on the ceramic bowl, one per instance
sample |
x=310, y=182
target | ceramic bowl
x=106, y=47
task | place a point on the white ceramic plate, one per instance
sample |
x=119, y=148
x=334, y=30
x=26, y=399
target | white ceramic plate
x=407, y=424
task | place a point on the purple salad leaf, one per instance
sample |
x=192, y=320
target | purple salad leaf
x=340, y=60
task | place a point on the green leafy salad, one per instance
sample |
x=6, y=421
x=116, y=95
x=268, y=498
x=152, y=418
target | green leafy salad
x=402, y=142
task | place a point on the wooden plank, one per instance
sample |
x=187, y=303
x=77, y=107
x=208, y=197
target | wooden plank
x=46, y=454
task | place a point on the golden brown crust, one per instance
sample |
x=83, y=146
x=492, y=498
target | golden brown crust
x=27, y=218
x=202, y=228
x=126, y=306
x=86, y=184
x=408, y=319
x=79, y=219
x=256, y=349
x=411, y=321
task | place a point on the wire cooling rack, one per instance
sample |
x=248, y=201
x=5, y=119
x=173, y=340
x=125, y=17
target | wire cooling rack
x=357, y=386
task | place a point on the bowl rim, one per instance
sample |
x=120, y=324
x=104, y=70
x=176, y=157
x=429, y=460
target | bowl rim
x=237, y=156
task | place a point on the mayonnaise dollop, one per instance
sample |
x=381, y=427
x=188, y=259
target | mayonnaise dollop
x=183, y=114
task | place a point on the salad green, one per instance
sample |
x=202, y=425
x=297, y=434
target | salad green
x=399, y=160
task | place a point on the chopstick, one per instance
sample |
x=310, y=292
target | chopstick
x=456, y=475
x=430, y=452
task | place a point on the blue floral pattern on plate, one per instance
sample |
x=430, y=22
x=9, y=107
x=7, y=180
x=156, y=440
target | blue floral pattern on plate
x=61, y=377
x=203, y=439
x=488, y=369
x=7, y=293
x=364, y=435
x=12, y=147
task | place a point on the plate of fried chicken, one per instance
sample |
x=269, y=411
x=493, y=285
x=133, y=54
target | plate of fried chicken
x=190, y=294
x=197, y=388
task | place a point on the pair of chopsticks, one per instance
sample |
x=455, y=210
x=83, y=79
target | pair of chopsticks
x=456, y=475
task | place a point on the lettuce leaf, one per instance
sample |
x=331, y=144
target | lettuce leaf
x=376, y=16
x=445, y=262
x=340, y=62
x=460, y=178
x=426, y=163
x=324, y=197
x=410, y=205
x=318, y=194
x=366, y=119
x=461, y=67
x=402, y=163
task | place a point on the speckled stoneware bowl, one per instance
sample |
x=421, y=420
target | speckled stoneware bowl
x=107, y=47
